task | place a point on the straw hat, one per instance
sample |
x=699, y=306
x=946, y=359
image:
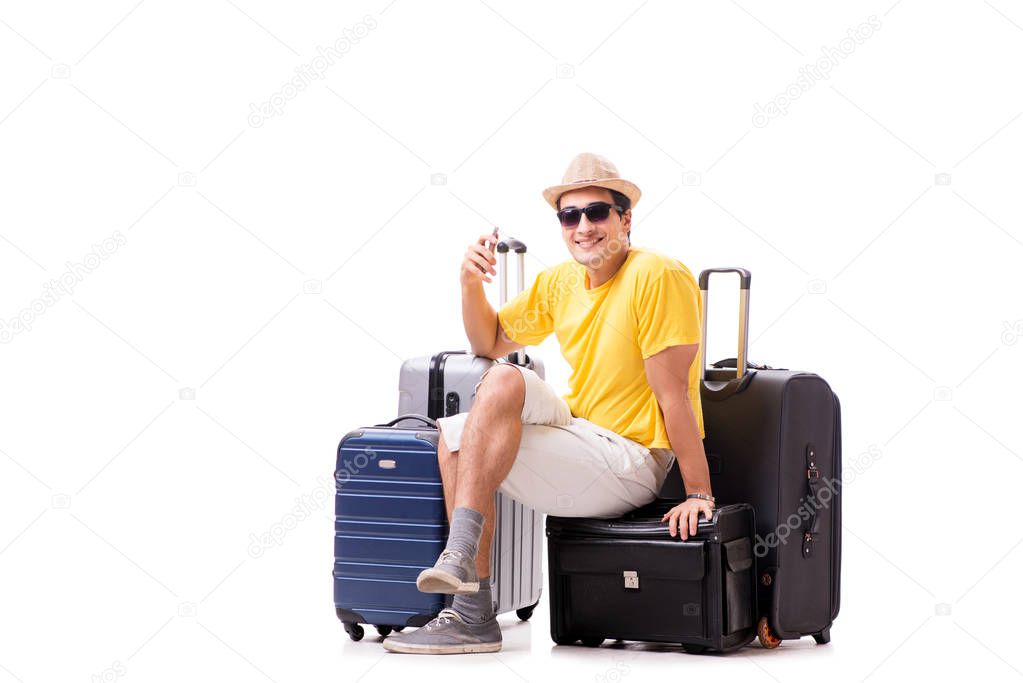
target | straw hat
x=591, y=170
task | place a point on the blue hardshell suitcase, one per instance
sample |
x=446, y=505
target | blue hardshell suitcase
x=390, y=524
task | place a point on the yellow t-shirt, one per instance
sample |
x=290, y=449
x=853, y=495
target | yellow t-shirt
x=606, y=333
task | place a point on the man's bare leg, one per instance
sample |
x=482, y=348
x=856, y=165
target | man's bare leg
x=493, y=432
x=448, y=461
x=490, y=442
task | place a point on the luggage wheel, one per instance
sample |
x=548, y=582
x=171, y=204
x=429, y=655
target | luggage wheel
x=524, y=613
x=694, y=649
x=823, y=637
x=353, y=630
x=384, y=630
x=766, y=636
x=592, y=641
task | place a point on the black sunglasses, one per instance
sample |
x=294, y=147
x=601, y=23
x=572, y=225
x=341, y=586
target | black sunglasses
x=595, y=213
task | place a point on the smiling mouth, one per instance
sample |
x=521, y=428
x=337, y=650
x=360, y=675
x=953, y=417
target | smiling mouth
x=589, y=243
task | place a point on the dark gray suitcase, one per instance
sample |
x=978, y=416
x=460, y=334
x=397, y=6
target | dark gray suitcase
x=773, y=439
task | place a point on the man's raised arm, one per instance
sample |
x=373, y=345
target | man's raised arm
x=486, y=338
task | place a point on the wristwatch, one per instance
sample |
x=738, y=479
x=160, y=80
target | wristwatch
x=701, y=496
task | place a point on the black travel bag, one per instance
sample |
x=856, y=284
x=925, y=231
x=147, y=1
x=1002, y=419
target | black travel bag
x=628, y=579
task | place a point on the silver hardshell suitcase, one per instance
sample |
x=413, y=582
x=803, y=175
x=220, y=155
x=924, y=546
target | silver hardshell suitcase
x=443, y=384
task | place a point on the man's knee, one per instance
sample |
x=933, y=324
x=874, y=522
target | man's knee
x=504, y=383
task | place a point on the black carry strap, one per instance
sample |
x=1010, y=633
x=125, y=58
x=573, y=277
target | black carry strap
x=814, y=486
x=732, y=363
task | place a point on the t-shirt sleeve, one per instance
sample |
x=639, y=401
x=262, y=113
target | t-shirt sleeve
x=668, y=311
x=526, y=318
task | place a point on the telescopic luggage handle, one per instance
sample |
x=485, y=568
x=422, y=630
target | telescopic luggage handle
x=519, y=247
x=743, y=340
x=503, y=247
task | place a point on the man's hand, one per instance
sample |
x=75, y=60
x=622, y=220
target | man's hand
x=686, y=515
x=479, y=260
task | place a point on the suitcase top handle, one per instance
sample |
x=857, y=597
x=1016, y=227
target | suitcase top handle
x=744, y=276
x=511, y=243
x=409, y=416
x=743, y=340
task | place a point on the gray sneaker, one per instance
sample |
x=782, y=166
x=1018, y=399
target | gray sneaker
x=447, y=634
x=453, y=574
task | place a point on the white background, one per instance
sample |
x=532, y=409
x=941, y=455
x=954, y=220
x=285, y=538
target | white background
x=283, y=271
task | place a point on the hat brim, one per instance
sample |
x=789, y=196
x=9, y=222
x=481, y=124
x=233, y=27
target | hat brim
x=630, y=190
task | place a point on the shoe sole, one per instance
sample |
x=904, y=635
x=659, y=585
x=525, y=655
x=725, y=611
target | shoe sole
x=464, y=648
x=437, y=581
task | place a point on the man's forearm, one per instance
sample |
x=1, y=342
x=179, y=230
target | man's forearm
x=479, y=319
x=684, y=435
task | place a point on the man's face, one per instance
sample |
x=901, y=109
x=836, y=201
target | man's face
x=595, y=244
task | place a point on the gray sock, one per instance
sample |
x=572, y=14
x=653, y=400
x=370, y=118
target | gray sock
x=466, y=529
x=478, y=607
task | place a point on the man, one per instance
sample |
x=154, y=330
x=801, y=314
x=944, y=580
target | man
x=628, y=322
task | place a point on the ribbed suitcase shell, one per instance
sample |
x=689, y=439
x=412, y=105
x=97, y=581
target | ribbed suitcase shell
x=389, y=524
x=759, y=430
x=699, y=593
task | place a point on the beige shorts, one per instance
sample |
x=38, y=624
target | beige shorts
x=568, y=466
